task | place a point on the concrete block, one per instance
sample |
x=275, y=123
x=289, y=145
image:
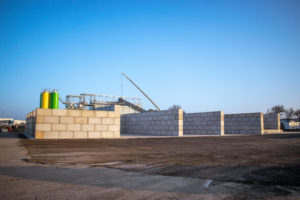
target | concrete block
x=117, y=134
x=117, y=121
x=94, y=134
x=65, y=135
x=107, y=121
x=34, y=113
x=114, y=128
x=43, y=112
x=101, y=113
x=113, y=114
x=59, y=112
x=117, y=108
x=66, y=120
x=73, y=127
x=59, y=127
x=43, y=127
x=87, y=127
x=88, y=113
x=39, y=134
x=81, y=120
x=39, y=120
x=94, y=120
x=50, y=135
x=107, y=134
x=80, y=134
x=74, y=113
x=51, y=120
x=101, y=127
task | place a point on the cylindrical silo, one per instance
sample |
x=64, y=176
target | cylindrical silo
x=54, y=98
x=45, y=99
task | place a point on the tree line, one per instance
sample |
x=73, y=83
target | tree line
x=288, y=114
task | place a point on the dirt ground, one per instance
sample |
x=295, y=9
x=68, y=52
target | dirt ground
x=229, y=167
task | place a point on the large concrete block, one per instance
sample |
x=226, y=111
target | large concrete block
x=117, y=134
x=39, y=134
x=108, y=134
x=81, y=120
x=114, y=128
x=51, y=120
x=73, y=127
x=107, y=121
x=80, y=134
x=65, y=135
x=59, y=127
x=43, y=112
x=117, y=121
x=59, y=112
x=113, y=114
x=87, y=127
x=43, y=127
x=94, y=120
x=117, y=108
x=88, y=113
x=50, y=135
x=66, y=120
x=101, y=127
x=39, y=120
x=94, y=134
x=74, y=113
x=101, y=113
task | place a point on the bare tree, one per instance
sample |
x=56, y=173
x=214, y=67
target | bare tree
x=278, y=109
x=289, y=114
x=175, y=107
x=297, y=114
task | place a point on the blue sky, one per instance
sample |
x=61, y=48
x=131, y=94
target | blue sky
x=235, y=56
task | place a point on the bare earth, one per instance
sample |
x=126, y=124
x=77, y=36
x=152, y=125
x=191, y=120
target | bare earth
x=229, y=167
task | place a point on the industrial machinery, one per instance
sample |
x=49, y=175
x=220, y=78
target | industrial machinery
x=97, y=102
x=102, y=102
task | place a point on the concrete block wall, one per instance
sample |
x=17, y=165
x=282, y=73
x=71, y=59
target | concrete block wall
x=30, y=123
x=75, y=124
x=158, y=123
x=245, y=123
x=205, y=123
x=272, y=121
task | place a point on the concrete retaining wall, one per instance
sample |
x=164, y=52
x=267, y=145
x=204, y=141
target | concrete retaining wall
x=73, y=124
x=245, y=123
x=206, y=123
x=272, y=121
x=158, y=123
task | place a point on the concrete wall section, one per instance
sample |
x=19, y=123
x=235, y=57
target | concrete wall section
x=245, y=123
x=272, y=121
x=30, y=124
x=206, y=123
x=74, y=124
x=158, y=123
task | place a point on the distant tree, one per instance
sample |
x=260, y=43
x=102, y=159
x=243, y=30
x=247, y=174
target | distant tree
x=278, y=109
x=289, y=114
x=297, y=114
x=175, y=107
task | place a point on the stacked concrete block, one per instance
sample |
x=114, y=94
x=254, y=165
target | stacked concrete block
x=245, y=123
x=272, y=121
x=206, y=123
x=75, y=124
x=30, y=123
x=158, y=123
